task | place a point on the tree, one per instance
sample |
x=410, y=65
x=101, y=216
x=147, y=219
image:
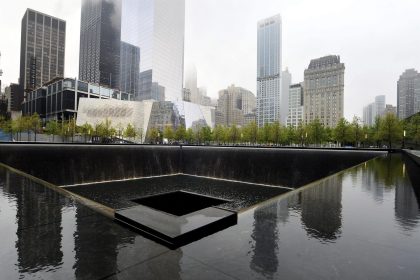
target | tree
x=218, y=133
x=168, y=133
x=316, y=132
x=35, y=123
x=52, y=128
x=154, y=135
x=180, y=133
x=189, y=135
x=301, y=133
x=413, y=129
x=234, y=134
x=290, y=135
x=390, y=129
x=206, y=134
x=130, y=132
x=342, y=131
x=275, y=133
x=250, y=132
x=356, y=131
x=86, y=129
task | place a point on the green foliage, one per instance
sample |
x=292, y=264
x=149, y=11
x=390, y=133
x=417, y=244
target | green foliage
x=180, y=133
x=168, y=132
x=316, y=132
x=130, y=132
x=342, y=131
x=390, y=129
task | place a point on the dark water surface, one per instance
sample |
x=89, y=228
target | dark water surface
x=363, y=223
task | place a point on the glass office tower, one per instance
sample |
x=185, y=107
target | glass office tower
x=100, y=42
x=157, y=27
x=269, y=96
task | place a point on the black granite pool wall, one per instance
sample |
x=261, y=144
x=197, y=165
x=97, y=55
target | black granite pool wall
x=285, y=167
x=73, y=164
x=76, y=164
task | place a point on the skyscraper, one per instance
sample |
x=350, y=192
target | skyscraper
x=408, y=93
x=324, y=90
x=286, y=81
x=100, y=42
x=269, y=96
x=160, y=27
x=295, y=105
x=42, y=49
x=129, y=68
x=374, y=110
x=233, y=104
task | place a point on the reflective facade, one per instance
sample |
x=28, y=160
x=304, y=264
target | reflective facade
x=100, y=40
x=269, y=96
x=42, y=49
x=157, y=28
x=130, y=68
x=59, y=99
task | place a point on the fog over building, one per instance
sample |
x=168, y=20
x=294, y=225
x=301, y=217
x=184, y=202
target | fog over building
x=42, y=49
x=100, y=42
x=269, y=62
x=374, y=110
x=408, y=94
x=324, y=90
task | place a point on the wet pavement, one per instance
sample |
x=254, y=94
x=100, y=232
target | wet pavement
x=362, y=223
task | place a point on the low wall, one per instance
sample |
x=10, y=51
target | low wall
x=72, y=164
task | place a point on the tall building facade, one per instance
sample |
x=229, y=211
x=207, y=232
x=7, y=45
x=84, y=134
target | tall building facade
x=408, y=94
x=269, y=96
x=368, y=114
x=233, y=105
x=295, y=105
x=42, y=49
x=129, y=68
x=324, y=90
x=286, y=81
x=100, y=42
x=160, y=28
x=15, y=98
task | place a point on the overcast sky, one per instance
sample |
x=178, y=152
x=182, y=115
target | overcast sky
x=376, y=39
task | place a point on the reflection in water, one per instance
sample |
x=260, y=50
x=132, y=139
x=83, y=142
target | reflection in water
x=37, y=246
x=321, y=209
x=406, y=207
x=265, y=239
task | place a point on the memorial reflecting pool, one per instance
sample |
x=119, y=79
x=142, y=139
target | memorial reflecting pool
x=362, y=223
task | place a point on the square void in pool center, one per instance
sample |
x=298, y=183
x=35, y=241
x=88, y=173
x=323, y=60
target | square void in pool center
x=179, y=203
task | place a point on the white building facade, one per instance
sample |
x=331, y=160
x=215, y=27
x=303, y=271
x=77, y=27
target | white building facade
x=295, y=105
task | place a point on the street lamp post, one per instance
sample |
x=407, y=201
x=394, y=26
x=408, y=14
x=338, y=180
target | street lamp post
x=403, y=143
x=365, y=140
